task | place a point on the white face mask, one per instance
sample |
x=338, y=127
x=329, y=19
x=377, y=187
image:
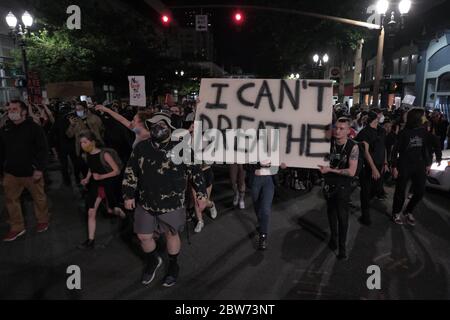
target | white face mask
x=381, y=119
x=14, y=116
x=80, y=114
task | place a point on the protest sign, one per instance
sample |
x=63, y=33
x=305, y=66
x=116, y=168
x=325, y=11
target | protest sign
x=300, y=109
x=137, y=91
x=408, y=99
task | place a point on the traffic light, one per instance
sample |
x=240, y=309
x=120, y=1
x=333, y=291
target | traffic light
x=238, y=17
x=165, y=19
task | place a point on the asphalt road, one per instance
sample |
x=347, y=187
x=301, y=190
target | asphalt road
x=222, y=261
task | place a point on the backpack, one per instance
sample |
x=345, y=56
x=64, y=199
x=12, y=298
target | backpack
x=113, y=153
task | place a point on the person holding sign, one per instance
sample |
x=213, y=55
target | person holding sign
x=262, y=190
x=337, y=189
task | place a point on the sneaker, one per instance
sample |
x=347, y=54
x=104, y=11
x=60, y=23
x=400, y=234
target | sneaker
x=213, y=211
x=199, y=226
x=150, y=272
x=172, y=276
x=332, y=245
x=262, y=242
x=364, y=221
x=42, y=227
x=119, y=212
x=88, y=244
x=382, y=197
x=342, y=256
x=410, y=219
x=13, y=235
x=397, y=218
x=236, y=199
x=242, y=202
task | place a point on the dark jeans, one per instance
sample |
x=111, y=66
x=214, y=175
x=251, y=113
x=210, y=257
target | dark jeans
x=418, y=177
x=369, y=188
x=64, y=156
x=262, y=190
x=337, y=210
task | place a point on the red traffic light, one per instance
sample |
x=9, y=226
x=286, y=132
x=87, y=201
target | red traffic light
x=165, y=19
x=238, y=17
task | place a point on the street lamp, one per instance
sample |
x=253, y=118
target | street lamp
x=18, y=31
x=382, y=7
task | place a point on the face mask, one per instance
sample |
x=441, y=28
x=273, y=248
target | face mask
x=80, y=114
x=137, y=131
x=88, y=148
x=424, y=119
x=159, y=133
x=14, y=116
x=381, y=119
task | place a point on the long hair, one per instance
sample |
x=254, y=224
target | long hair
x=414, y=118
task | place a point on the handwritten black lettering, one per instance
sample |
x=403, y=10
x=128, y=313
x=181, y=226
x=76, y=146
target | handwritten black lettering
x=311, y=140
x=284, y=88
x=217, y=104
x=320, y=86
x=241, y=90
x=264, y=91
x=301, y=140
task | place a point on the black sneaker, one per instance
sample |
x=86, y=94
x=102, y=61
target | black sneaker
x=410, y=219
x=88, y=244
x=332, y=245
x=172, y=275
x=262, y=243
x=150, y=272
x=365, y=222
x=342, y=256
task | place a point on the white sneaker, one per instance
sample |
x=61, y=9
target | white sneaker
x=236, y=199
x=199, y=226
x=213, y=211
x=242, y=203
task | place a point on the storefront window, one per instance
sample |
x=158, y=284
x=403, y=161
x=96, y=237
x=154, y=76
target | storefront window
x=404, y=66
x=444, y=83
x=413, y=64
x=396, y=66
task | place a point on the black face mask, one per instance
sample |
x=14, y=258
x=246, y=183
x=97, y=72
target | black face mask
x=159, y=133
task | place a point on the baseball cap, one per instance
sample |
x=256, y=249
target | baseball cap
x=157, y=117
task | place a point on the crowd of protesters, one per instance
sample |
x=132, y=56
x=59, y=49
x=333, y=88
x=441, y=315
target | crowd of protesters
x=120, y=156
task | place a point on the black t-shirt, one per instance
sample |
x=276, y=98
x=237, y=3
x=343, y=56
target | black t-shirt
x=376, y=139
x=339, y=159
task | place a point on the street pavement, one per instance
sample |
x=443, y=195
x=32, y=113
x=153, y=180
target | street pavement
x=222, y=262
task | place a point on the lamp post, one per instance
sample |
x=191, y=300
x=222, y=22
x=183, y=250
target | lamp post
x=382, y=7
x=18, y=31
x=319, y=62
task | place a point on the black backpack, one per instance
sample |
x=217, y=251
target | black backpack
x=113, y=153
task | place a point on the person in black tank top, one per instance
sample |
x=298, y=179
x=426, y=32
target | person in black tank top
x=337, y=189
x=101, y=182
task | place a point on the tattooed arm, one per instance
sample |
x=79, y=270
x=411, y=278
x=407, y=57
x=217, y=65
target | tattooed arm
x=353, y=165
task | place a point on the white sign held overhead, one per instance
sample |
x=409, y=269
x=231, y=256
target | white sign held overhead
x=408, y=99
x=201, y=22
x=301, y=110
x=137, y=91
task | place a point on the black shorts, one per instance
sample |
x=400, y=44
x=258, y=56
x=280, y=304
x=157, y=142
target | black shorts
x=209, y=176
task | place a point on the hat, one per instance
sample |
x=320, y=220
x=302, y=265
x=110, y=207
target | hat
x=157, y=117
